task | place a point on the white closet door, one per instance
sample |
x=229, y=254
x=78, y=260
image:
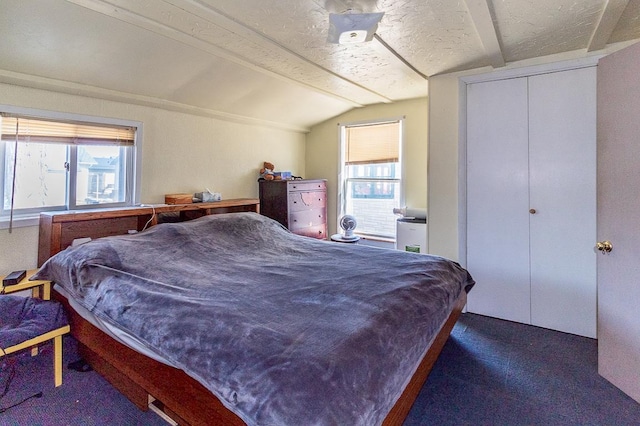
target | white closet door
x=618, y=206
x=562, y=165
x=497, y=199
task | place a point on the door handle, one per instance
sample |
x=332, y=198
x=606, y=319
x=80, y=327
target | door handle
x=604, y=247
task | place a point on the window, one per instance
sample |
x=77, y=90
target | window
x=63, y=164
x=371, y=176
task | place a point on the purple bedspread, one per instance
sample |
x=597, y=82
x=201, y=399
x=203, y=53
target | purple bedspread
x=283, y=329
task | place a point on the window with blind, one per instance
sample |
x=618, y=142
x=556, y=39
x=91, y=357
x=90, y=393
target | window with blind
x=53, y=164
x=371, y=176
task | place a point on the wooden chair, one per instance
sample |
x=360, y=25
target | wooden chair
x=28, y=322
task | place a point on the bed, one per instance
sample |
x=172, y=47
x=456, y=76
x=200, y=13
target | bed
x=243, y=322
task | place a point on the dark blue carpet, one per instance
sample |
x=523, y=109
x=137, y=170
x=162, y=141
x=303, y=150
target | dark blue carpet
x=491, y=372
x=495, y=372
x=83, y=398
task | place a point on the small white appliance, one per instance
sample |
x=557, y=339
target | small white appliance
x=411, y=233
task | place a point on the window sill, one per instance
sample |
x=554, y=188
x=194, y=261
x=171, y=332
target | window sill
x=378, y=242
x=376, y=238
x=20, y=221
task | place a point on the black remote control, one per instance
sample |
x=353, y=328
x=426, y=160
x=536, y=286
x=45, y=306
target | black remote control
x=14, y=278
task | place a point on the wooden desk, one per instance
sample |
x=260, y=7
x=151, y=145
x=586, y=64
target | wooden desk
x=59, y=229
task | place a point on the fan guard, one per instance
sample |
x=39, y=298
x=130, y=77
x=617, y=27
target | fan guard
x=348, y=224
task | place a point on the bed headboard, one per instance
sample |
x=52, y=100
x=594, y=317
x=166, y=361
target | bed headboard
x=59, y=229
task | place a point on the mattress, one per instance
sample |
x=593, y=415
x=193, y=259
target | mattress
x=283, y=329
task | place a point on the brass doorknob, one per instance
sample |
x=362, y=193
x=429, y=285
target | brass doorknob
x=532, y=211
x=604, y=246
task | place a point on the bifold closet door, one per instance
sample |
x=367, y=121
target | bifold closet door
x=498, y=199
x=562, y=176
x=531, y=204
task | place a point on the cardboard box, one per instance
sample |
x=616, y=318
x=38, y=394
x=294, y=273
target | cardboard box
x=178, y=198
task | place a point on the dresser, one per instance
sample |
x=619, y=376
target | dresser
x=299, y=205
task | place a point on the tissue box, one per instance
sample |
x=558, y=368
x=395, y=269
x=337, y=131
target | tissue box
x=208, y=197
x=178, y=198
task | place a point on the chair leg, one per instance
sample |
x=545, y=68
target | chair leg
x=57, y=360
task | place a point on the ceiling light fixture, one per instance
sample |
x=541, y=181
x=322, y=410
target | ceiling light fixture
x=352, y=27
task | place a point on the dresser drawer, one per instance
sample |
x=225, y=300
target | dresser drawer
x=319, y=231
x=299, y=201
x=304, y=219
x=307, y=186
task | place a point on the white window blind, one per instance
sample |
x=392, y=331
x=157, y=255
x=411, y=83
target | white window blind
x=27, y=129
x=373, y=143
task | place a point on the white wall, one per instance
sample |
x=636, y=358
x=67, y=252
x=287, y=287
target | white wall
x=180, y=153
x=446, y=133
x=443, y=166
x=323, y=145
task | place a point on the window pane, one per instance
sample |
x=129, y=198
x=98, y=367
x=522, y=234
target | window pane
x=40, y=176
x=381, y=170
x=374, y=212
x=372, y=197
x=373, y=189
x=100, y=175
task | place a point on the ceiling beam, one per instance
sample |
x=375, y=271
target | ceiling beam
x=190, y=13
x=481, y=17
x=70, y=88
x=608, y=21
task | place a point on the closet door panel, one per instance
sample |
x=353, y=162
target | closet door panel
x=497, y=199
x=562, y=164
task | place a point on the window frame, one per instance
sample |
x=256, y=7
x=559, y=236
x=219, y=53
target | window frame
x=343, y=178
x=30, y=217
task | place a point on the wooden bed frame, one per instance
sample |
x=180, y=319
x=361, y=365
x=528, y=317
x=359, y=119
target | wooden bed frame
x=145, y=381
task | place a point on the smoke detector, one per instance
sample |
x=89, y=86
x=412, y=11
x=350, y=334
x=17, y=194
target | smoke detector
x=352, y=27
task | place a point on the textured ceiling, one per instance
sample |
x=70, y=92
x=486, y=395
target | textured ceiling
x=268, y=61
